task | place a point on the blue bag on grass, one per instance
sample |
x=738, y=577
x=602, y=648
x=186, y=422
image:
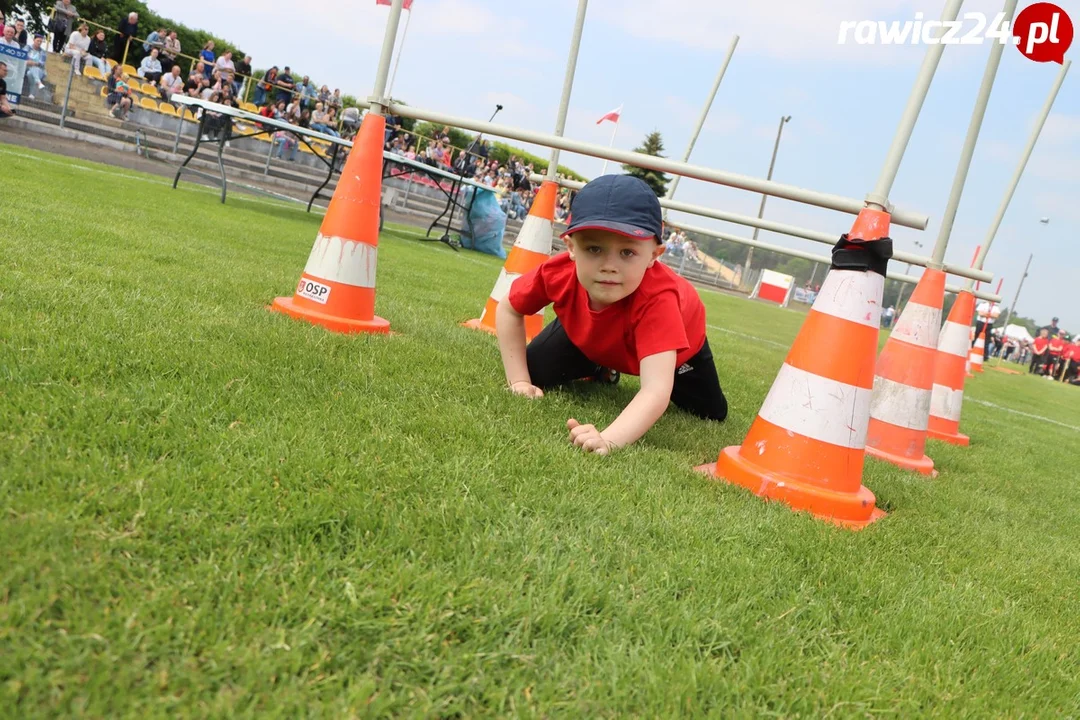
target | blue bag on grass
x=486, y=223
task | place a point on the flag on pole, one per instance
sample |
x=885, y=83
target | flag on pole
x=613, y=116
x=407, y=5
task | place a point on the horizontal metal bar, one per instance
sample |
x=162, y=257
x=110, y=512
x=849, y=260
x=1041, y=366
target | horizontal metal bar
x=720, y=235
x=785, y=229
x=651, y=162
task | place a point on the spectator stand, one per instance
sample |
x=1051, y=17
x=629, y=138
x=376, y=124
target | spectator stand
x=218, y=121
x=131, y=71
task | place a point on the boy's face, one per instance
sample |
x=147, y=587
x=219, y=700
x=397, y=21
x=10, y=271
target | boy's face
x=610, y=266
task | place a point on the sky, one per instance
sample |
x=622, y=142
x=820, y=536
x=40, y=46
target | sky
x=659, y=61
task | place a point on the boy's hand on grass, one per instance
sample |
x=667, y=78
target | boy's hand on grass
x=527, y=389
x=588, y=438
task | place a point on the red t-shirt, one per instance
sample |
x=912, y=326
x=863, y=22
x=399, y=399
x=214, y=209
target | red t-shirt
x=1072, y=351
x=664, y=313
x=1040, y=344
x=1056, y=346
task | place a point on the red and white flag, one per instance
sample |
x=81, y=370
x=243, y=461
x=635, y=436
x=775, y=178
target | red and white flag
x=407, y=5
x=613, y=116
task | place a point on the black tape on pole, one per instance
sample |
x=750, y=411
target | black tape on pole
x=864, y=255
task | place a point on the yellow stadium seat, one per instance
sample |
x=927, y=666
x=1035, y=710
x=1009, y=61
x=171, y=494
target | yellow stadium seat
x=111, y=62
x=104, y=91
x=250, y=107
x=190, y=116
x=148, y=104
x=93, y=73
x=129, y=70
x=167, y=109
x=149, y=89
x=304, y=148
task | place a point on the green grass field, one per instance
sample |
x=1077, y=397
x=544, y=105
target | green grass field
x=210, y=510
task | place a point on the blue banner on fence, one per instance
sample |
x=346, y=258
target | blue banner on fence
x=15, y=59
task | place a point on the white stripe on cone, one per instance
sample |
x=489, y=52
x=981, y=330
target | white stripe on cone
x=502, y=289
x=535, y=235
x=946, y=402
x=817, y=407
x=976, y=355
x=852, y=295
x=502, y=285
x=343, y=261
x=918, y=325
x=954, y=339
x=899, y=404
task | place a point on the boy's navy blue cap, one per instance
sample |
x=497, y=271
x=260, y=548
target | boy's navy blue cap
x=622, y=204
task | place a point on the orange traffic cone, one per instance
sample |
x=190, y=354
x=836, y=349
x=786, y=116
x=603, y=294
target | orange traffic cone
x=337, y=287
x=531, y=248
x=978, y=350
x=806, y=446
x=900, y=407
x=947, y=395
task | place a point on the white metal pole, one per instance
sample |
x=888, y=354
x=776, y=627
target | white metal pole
x=816, y=258
x=611, y=144
x=975, y=124
x=1043, y=114
x=901, y=217
x=1016, y=298
x=704, y=114
x=880, y=195
x=401, y=49
x=761, y=208
x=568, y=84
x=786, y=229
x=379, y=101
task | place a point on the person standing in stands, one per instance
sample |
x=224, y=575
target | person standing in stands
x=243, y=73
x=285, y=85
x=170, y=53
x=264, y=89
x=207, y=54
x=64, y=16
x=128, y=28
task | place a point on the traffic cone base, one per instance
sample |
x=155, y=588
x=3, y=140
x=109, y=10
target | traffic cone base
x=851, y=510
x=532, y=247
x=957, y=438
x=923, y=465
x=333, y=323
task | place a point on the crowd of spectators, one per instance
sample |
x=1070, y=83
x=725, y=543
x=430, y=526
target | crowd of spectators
x=278, y=94
x=509, y=180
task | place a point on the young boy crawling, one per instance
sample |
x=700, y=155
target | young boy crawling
x=617, y=310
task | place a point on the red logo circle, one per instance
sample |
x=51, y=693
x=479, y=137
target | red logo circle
x=1043, y=32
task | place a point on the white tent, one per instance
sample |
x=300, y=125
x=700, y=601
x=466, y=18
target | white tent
x=1018, y=332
